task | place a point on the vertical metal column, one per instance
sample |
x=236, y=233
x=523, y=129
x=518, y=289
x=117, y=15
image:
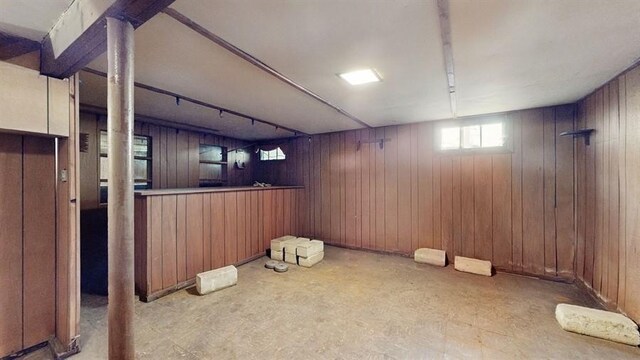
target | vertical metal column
x=120, y=47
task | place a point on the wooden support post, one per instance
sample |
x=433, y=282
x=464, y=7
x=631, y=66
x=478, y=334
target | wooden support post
x=120, y=224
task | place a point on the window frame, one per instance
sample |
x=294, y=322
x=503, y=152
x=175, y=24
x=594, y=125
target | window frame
x=148, y=159
x=261, y=151
x=507, y=146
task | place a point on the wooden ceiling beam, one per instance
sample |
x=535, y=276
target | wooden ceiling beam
x=14, y=46
x=80, y=35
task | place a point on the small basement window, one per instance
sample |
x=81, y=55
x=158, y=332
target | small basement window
x=472, y=136
x=275, y=154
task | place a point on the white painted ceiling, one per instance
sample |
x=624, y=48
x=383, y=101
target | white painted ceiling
x=93, y=91
x=517, y=54
x=508, y=54
x=31, y=19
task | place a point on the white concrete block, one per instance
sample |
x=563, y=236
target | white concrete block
x=598, y=323
x=430, y=256
x=474, y=266
x=309, y=248
x=291, y=245
x=311, y=260
x=291, y=258
x=277, y=255
x=217, y=279
x=277, y=244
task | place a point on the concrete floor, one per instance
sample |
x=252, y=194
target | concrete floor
x=356, y=305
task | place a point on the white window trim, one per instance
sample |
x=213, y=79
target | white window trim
x=507, y=147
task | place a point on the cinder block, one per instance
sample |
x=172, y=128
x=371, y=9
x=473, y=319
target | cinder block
x=217, y=279
x=291, y=245
x=277, y=255
x=474, y=266
x=309, y=248
x=277, y=244
x=598, y=323
x=430, y=256
x=291, y=258
x=311, y=260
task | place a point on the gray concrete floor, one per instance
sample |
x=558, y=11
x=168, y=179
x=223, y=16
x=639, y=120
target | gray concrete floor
x=356, y=305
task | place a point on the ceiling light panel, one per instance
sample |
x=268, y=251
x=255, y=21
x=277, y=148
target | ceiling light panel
x=360, y=77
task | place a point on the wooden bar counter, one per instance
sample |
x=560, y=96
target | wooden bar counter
x=182, y=232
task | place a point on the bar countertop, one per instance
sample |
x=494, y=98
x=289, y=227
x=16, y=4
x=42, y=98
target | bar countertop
x=152, y=192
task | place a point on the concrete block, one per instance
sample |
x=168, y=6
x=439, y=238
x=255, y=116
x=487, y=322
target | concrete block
x=277, y=244
x=474, y=266
x=309, y=248
x=291, y=258
x=291, y=245
x=277, y=255
x=430, y=256
x=217, y=279
x=598, y=323
x=311, y=260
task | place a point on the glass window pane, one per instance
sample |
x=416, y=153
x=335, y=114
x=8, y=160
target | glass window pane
x=492, y=135
x=141, y=146
x=210, y=171
x=103, y=142
x=140, y=168
x=471, y=137
x=104, y=168
x=450, y=138
x=210, y=153
x=280, y=154
x=103, y=192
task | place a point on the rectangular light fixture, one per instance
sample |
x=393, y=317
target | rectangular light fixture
x=360, y=77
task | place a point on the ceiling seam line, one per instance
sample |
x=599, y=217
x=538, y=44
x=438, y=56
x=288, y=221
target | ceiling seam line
x=255, y=62
x=201, y=103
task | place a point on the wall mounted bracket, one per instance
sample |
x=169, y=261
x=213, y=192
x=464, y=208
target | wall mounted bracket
x=586, y=133
x=380, y=142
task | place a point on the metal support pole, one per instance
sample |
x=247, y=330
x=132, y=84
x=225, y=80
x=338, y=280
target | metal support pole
x=120, y=47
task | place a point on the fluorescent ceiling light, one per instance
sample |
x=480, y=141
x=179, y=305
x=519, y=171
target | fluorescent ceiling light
x=360, y=77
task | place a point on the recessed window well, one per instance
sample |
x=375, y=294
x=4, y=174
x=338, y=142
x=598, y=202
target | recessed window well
x=360, y=77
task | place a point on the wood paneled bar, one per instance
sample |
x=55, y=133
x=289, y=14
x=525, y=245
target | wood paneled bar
x=182, y=232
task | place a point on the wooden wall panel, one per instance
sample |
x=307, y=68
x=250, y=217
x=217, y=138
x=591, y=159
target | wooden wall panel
x=217, y=230
x=607, y=189
x=175, y=157
x=156, y=243
x=11, y=244
x=39, y=240
x=38, y=286
x=189, y=234
x=169, y=241
x=514, y=208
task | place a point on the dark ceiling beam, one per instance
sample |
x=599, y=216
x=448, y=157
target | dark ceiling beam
x=445, y=33
x=80, y=35
x=256, y=62
x=14, y=46
x=202, y=103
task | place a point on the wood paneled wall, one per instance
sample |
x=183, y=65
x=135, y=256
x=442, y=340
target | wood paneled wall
x=515, y=209
x=27, y=242
x=608, y=193
x=180, y=235
x=175, y=153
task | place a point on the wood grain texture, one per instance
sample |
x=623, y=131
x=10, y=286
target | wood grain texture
x=204, y=231
x=607, y=189
x=39, y=240
x=11, y=244
x=514, y=208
